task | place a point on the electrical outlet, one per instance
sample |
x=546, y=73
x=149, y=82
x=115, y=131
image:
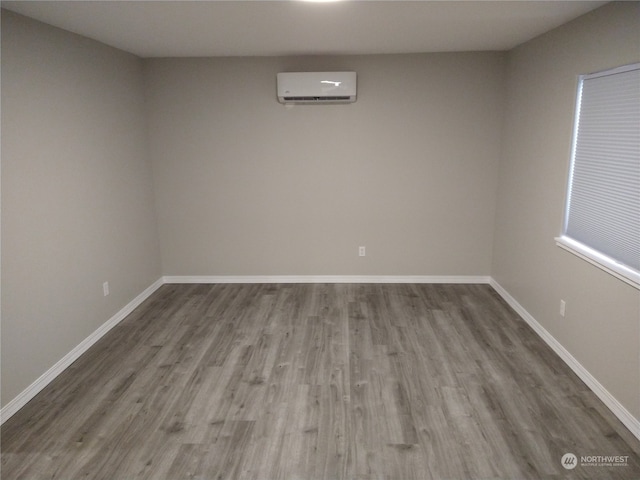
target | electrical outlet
x=361, y=251
x=105, y=288
x=563, y=307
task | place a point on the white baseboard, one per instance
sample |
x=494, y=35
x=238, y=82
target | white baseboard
x=629, y=421
x=632, y=423
x=327, y=279
x=47, y=377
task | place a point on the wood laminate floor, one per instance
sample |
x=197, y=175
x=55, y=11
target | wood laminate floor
x=317, y=382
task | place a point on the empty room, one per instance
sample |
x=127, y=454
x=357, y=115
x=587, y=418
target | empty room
x=320, y=240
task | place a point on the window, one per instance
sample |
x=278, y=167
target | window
x=602, y=211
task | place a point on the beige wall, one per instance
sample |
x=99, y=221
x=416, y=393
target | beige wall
x=602, y=324
x=77, y=206
x=246, y=186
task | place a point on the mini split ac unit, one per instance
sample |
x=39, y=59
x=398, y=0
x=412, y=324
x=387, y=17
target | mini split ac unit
x=317, y=87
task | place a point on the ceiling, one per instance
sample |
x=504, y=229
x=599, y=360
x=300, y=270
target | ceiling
x=267, y=28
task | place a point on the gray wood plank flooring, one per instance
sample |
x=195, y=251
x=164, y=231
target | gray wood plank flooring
x=323, y=381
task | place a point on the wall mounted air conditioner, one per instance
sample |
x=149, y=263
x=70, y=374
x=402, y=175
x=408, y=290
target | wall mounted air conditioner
x=317, y=87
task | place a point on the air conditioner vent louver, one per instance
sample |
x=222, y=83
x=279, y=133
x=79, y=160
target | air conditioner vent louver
x=316, y=99
x=317, y=87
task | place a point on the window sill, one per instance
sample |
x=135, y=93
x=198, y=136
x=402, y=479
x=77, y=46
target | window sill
x=603, y=262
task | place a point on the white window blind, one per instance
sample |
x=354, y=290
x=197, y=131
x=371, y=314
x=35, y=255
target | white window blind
x=602, y=215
